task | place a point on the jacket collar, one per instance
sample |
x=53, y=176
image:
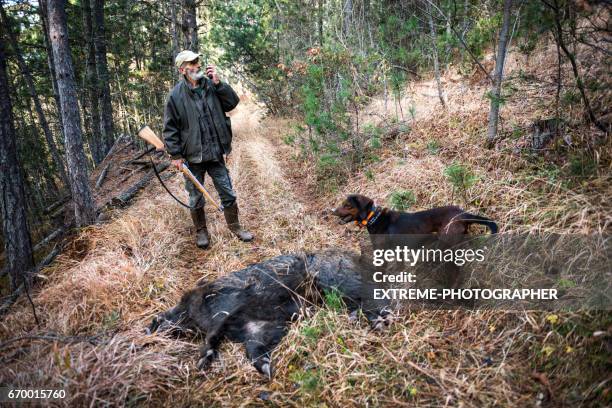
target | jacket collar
x=204, y=83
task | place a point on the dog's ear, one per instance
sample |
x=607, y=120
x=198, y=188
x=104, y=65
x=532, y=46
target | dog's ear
x=364, y=205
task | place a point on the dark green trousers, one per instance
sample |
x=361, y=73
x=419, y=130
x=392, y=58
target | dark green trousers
x=220, y=177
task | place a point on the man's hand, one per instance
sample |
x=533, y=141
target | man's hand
x=211, y=72
x=178, y=163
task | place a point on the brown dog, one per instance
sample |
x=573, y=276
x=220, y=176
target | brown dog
x=444, y=227
x=449, y=223
x=378, y=220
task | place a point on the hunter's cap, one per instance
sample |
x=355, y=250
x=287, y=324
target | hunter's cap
x=185, y=56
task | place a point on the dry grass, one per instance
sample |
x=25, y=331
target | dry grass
x=115, y=276
x=537, y=192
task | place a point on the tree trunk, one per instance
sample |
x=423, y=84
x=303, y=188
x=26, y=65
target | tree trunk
x=190, y=26
x=174, y=34
x=38, y=170
x=17, y=243
x=84, y=209
x=42, y=11
x=561, y=42
x=96, y=142
x=499, y=73
x=434, y=47
x=104, y=101
x=320, y=21
x=23, y=67
x=347, y=18
x=466, y=16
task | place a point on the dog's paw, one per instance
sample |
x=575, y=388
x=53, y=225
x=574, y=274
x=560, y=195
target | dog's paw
x=264, y=366
x=354, y=316
x=206, y=358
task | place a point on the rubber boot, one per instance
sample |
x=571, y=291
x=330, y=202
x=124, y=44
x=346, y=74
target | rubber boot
x=199, y=220
x=231, y=217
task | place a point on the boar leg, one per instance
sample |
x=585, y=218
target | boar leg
x=260, y=342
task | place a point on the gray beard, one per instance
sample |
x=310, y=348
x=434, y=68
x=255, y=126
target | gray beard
x=195, y=76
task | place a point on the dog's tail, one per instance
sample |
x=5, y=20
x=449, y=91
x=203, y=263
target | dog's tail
x=477, y=219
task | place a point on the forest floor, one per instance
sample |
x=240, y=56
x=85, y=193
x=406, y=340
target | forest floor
x=101, y=293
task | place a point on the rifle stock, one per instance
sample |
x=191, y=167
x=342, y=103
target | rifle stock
x=148, y=135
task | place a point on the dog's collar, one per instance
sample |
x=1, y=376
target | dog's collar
x=372, y=217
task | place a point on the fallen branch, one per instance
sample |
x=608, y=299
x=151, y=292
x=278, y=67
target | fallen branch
x=167, y=176
x=57, y=204
x=48, y=259
x=123, y=198
x=124, y=139
x=57, y=209
x=10, y=299
x=57, y=213
x=102, y=176
x=48, y=239
x=149, y=150
x=133, y=171
x=140, y=162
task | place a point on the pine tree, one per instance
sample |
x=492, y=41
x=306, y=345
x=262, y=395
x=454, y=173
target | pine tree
x=84, y=209
x=16, y=233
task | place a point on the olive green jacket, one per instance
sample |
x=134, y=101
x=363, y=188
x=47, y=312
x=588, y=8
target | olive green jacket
x=181, y=132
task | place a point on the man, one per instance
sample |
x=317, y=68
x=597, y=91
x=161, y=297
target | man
x=197, y=131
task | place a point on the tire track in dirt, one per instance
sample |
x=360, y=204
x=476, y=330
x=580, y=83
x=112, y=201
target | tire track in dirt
x=281, y=220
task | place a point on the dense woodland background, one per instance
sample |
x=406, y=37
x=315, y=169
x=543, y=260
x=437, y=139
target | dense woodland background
x=77, y=76
x=109, y=65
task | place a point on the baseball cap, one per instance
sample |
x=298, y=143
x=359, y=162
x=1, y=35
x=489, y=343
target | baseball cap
x=185, y=56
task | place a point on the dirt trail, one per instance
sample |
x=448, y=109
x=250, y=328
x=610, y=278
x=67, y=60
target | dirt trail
x=274, y=209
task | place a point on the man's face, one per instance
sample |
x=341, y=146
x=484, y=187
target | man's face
x=191, y=66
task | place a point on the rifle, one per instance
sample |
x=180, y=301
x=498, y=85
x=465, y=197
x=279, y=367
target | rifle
x=148, y=135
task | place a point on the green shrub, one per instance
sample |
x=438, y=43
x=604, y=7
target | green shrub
x=327, y=165
x=309, y=381
x=369, y=174
x=461, y=177
x=333, y=300
x=433, y=147
x=289, y=139
x=371, y=130
x=581, y=166
x=402, y=200
x=375, y=143
x=311, y=333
